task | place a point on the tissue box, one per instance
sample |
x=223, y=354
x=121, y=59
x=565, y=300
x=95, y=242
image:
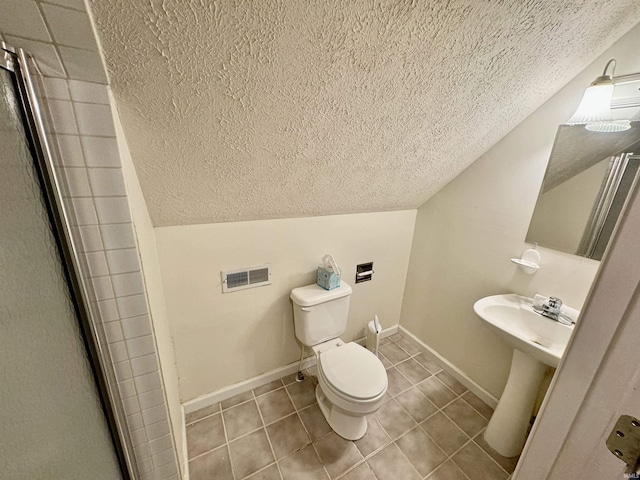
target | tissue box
x=327, y=278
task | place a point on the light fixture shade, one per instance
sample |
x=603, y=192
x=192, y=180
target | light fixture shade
x=595, y=105
x=609, y=127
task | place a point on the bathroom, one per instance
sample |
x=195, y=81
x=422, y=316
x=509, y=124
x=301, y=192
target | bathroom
x=238, y=178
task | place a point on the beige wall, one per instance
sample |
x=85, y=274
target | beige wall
x=466, y=234
x=222, y=339
x=153, y=282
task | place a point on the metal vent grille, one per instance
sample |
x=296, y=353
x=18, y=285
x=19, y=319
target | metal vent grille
x=249, y=277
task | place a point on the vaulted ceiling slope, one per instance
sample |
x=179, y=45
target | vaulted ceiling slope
x=240, y=110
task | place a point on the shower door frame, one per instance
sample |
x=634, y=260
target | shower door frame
x=15, y=61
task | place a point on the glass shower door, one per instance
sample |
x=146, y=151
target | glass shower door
x=52, y=423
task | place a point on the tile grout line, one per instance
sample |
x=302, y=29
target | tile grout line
x=226, y=444
x=266, y=433
x=458, y=396
x=324, y=468
x=364, y=459
x=473, y=439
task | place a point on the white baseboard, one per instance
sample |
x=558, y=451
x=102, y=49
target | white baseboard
x=246, y=385
x=454, y=371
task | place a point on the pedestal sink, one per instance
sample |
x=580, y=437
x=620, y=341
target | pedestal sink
x=538, y=342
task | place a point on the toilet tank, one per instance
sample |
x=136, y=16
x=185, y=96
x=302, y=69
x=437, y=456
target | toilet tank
x=318, y=314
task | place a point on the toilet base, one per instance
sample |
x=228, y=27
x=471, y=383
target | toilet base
x=348, y=426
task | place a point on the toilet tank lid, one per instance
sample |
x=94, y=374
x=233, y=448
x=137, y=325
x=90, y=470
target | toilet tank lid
x=310, y=295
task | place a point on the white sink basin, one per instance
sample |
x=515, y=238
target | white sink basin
x=537, y=341
x=512, y=317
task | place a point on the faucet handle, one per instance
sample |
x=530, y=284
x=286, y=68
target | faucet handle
x=555, y=302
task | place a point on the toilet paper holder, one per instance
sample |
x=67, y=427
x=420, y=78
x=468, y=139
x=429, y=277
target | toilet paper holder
x=364, y=272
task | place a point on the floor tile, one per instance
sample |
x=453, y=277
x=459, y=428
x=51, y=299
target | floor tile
x=267, y=387
x=416, y=404
x=236, y=400
x=395, y=337
x=214, y=464
x=302, y=465
x=393, y=353
x=508, y=463
x=361, y=472
x=427, y=362
x=394, y=419
x=397, y=382
x=312, y=373
x=436, y=391
x=289, y=379
x=337, y=454
x=241, y=419
x=375, y=438
x=205, y=435
x=314, y=422
x=275, y=405
x=413, y=371
x=421, y=451
x=454, y=385
x=482, y=408
x=477, y=464
x=447, y=471
x=408, y=345
x=461, y=413
x=386, y=363
x=287, y=435
x=390, y=464
x=302, y=393
x=250, y=453
x=444, y=432
x=203, y=412
x=269, y=473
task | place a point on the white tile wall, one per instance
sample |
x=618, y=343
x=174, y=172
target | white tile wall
x=122, y=261
x=20, y=18
x=100, y=152
x=85, y=211
x=49, y=60
x=70, y=151
x=118, y=236
x=56, y=88
x=76, y=4
x=102, y=288
x=88, y=92
x=62, y=117
x=94, y=119
x=95, y=193
x=59, y=34
x=69, y=27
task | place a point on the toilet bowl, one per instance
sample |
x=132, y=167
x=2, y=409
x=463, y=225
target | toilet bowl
x=352, y=383
x=351, y=380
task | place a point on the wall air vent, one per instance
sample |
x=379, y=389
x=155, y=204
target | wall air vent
x=233, y=280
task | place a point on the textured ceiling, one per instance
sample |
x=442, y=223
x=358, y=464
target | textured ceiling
x=269, y=109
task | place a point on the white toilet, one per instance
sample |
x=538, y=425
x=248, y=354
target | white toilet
x=351, y=380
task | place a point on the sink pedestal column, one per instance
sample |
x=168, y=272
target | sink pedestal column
x=507, y=429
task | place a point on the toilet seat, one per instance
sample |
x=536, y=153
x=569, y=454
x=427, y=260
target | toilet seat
x=353, y=373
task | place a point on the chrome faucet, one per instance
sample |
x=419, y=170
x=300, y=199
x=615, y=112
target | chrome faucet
x=552, y=309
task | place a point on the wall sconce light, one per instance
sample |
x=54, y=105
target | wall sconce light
x=594, y=111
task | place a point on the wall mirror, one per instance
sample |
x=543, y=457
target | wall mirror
x=588, y=179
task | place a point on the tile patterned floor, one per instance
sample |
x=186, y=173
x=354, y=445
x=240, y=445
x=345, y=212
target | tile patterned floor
x=430, y=427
